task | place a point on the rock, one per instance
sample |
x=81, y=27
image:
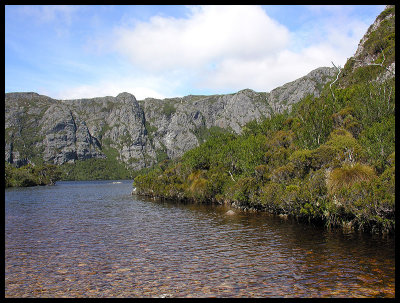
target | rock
x=62, y=131
x=230, y=212
x=284, y=97
x=362, y=56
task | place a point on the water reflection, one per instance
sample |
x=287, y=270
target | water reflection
x=93, y=239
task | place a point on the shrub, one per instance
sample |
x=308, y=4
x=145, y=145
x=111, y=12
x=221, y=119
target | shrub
x=283, y=173
x=277, y=156
x=245, y=191
x=290, y=199
x=261, y=172
x=168, y=109
x=338, y=118
x=282, y=138
x=345, y=145
x=198, y=190
x=301, y=160
x=368, y=204
x=378, y=139
x=322, y=156
x=270, y=197
x=345, y=119
x=383, y=194
x=29, y=175
x=347, y=176
x=391, y=159
x=292, y=123
x=216, y=183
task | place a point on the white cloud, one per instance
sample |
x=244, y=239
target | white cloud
x=209, y=34
x=236, y=47
x=211, y=49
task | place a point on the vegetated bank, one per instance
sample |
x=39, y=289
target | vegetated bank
x=30, y=175
x=330, y=160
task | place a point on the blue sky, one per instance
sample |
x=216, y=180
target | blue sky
x=69, y=52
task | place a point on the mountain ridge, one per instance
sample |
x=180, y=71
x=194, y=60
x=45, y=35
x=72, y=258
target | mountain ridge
x=143, y=131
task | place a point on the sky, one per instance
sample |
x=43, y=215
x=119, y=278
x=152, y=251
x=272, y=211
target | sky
x=86, y=51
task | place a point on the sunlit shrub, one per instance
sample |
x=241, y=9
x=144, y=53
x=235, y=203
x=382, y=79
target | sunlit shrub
x=29, y=175
x=347, y=175
x=338, y=118
x=277, y=156
x=290, y=199
x=345, y=145
x=345, y=119
x=391, y=159
x=322, y=156
x=292, y=123
x=197, y=190
x=368, y=204
x=217, y=180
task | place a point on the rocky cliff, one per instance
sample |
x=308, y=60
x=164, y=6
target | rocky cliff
x=377, y=47
x=39, y=128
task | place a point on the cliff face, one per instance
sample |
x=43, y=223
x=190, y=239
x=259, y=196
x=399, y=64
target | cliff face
x=377, y=47
x=380, y=31
x=58, y=131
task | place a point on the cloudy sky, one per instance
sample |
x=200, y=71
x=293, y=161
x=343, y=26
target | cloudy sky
x=69, y=52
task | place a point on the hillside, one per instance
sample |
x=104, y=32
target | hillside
x=330, y=160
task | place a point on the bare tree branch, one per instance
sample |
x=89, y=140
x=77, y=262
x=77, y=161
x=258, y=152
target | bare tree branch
x=337, y=77
x=231, y=176
x=378, y=64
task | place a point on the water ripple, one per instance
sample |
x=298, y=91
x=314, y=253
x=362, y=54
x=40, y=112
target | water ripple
x=93, y=239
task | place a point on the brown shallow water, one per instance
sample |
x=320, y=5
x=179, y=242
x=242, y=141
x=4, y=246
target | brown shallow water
x=93, y=239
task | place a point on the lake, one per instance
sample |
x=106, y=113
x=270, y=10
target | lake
x=95, y=239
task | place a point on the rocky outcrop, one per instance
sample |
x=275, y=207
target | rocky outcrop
x=377, y=47
x=62, y=131
x=175, y=125
x=142, y=132
x=367, y=52
x=283, y=97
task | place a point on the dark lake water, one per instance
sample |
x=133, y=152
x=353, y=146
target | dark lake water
x=94, y=239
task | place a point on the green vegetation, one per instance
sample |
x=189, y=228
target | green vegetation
x=168, y=108
x=96, y=169
x=29, y=175
x=203, y=133
x=329, y=161
x=25, y=137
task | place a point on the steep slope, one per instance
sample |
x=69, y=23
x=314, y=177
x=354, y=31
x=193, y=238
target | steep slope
x=376, y=48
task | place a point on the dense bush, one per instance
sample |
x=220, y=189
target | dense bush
x=96, y=169
x=29, y=175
